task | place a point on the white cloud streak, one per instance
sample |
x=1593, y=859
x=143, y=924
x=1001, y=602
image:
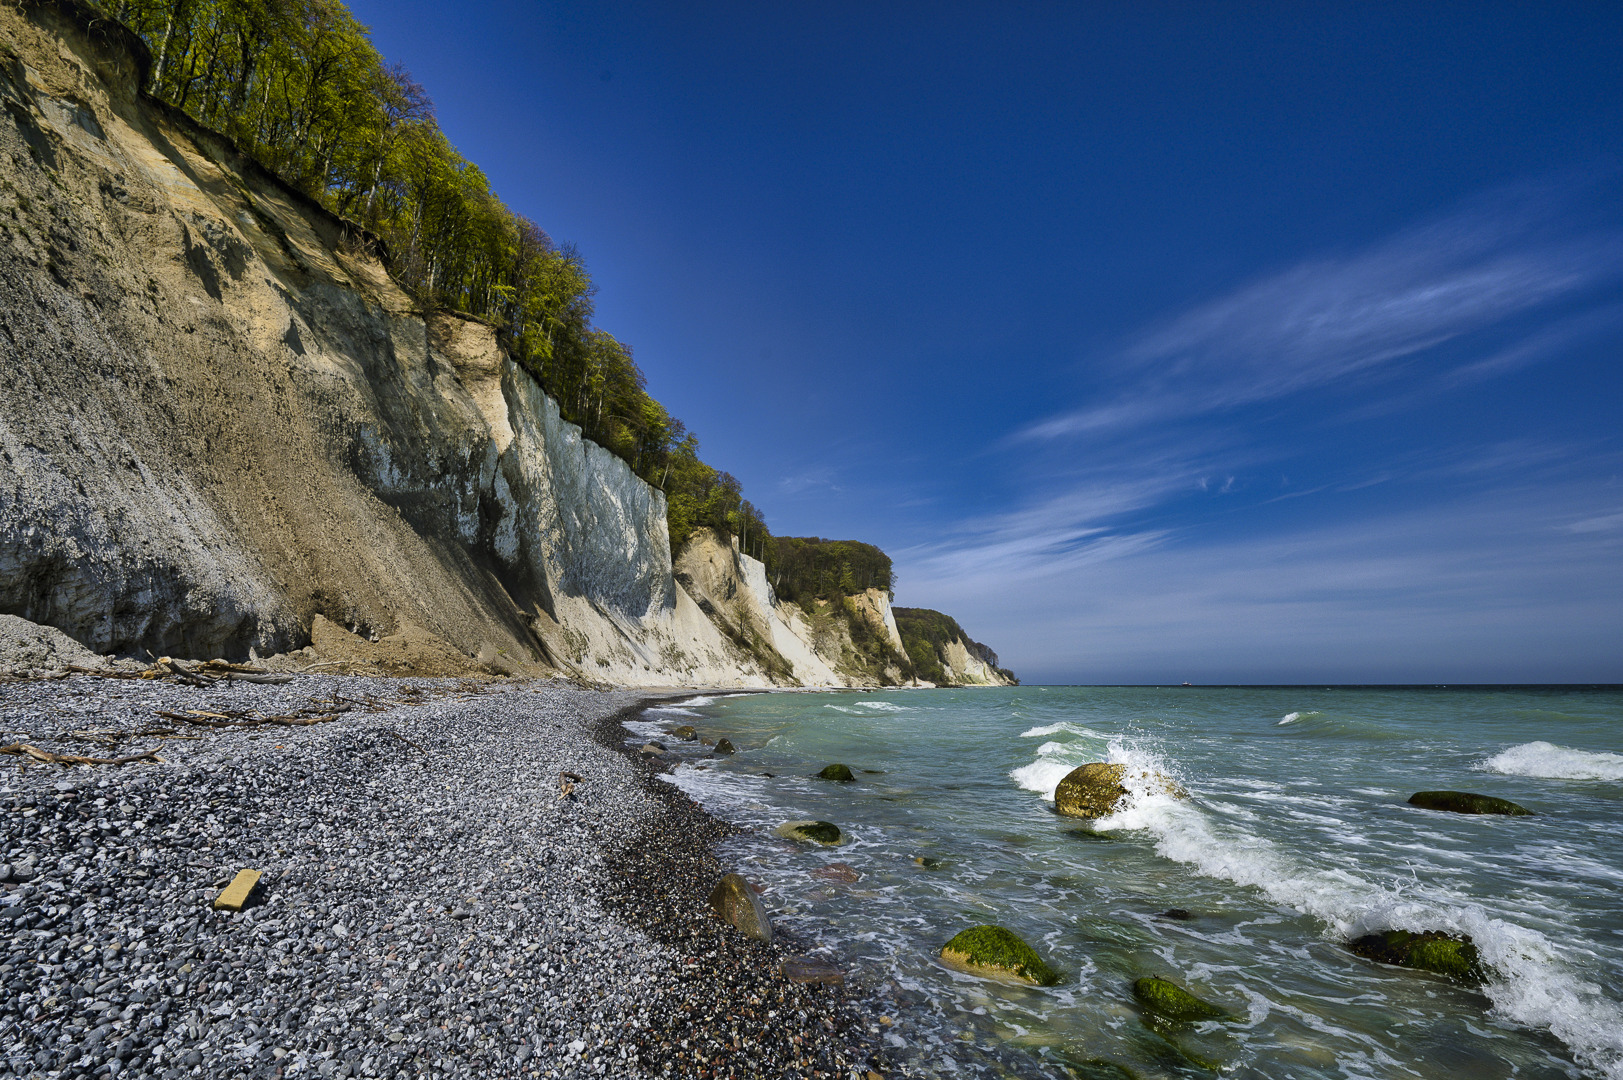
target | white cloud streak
x=1331, y=319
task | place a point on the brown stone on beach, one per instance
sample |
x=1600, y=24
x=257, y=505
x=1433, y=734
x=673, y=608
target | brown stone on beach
x=236, y=893
x=1094, y=789
x=734, y=900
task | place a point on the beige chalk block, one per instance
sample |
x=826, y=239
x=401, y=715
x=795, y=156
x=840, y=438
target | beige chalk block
x=236, y=893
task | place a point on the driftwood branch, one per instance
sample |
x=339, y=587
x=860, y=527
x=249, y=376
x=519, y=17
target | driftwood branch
x=405, y=740
x=49, y=757
x=566, y=783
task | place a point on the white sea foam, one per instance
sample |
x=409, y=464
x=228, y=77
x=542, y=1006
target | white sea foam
x=1291, y=718
x=1550, y=762
x=1532, y=985
x=671, y=710
x=1064, y=727
x=883, y=706
x=1042, y=775
x=844, y=709
x=701, y=701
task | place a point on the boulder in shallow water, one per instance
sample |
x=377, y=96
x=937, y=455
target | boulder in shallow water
x=652, y=749
x=1464, y=802
x=1433, y=950
x=842, y=773
x=993, y=952
x=686, y=733
x=817, y=832
x=1094, y=789
x=734, y=900
x=724, y=747
x=1169, y=1001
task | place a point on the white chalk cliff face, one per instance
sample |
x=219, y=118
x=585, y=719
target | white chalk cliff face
x=223, y=422
x=221, y=418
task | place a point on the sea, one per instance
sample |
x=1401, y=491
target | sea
x=1296, y=838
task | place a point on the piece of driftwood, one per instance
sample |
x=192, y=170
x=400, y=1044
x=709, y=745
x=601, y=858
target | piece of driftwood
x=566, y=783
x=103, y=673
x=405, y=740
x=50, y=757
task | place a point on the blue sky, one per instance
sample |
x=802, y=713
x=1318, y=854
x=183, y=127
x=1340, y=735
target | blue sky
x=1155, y=342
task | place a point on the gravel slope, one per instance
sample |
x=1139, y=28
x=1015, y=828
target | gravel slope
x=430, y=906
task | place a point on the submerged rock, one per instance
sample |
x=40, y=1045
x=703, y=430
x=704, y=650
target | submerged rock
x=1464, y=802
x=1433, y=950
x=1178, y=913
x=1169, y=1001
x=652, y=749
x=817, y=832
x=1094, y=789
x=734, y=899
x=993, y=952
x=927, y=862
x=686, y=733
x=724, y=747
x=842, y=773
x=811, y=969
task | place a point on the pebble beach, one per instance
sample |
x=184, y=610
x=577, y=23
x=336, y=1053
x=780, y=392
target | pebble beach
x=430, y=903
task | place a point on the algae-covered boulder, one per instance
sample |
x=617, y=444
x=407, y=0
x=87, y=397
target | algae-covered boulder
x=842, y=773
x=1433, y=950
x=817, y=832
x=734, y=900
x=996, y=953
x=686, y=733
x=1094, y=789
x=1464, y=802
x=1169, y=1001
x=724, y=747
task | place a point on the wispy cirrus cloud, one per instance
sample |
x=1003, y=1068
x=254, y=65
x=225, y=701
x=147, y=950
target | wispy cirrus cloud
x=1335, y=318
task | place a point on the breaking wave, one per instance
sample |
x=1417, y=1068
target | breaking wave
x=1550, y=762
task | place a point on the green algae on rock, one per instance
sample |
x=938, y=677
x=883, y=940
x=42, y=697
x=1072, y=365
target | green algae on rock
x=818, y=832
x=1464, y=802
x=993, y=952
x=734, y=899
x=842, y=773
x=686, y=733
x=1094, y=789
x=724, y=747
x=1169, y=1001
x=1433, y=950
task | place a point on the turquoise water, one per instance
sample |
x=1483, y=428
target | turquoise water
x=1296, y=838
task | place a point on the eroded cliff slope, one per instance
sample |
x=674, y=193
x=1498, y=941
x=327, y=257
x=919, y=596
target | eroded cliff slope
x=225, y=427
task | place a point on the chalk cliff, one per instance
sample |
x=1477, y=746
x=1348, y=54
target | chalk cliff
x=223, y=423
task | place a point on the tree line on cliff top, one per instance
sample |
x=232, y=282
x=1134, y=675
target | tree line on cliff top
x=299, y=86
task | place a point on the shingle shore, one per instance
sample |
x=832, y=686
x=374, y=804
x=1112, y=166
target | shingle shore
x=430, y=906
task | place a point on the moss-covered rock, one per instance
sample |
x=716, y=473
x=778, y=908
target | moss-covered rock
x=817, y=832
x=724, y=747
x=842, y=773
x=1464, y=802
x=1169, y=1001
x=993, y=952
x=686, y=733
x=734, y=899
x=1433, y=950
x=1094, y=789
